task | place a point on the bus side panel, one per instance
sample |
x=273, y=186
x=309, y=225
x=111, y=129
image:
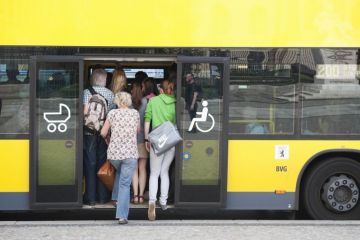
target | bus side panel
x=260, y=201
x=14, y=174
x=259, y=168
x=273, y=23
x=14, y=201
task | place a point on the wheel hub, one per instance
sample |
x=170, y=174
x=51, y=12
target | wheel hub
x=340, y=193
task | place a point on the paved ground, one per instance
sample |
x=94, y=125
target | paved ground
x=181, y=229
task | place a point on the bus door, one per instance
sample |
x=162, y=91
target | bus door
x=201, y=157
x=56, y=132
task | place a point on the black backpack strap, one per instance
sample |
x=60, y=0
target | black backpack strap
x=93, y=92
x=91, y=131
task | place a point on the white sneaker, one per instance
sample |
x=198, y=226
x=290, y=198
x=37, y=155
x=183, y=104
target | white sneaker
x=163, y=206
x=151, y=212
x=123, y=221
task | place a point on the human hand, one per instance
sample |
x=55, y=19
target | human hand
x=147, y=146
x=107, y=140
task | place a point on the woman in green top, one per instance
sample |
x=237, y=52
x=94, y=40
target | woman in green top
x=160, y=109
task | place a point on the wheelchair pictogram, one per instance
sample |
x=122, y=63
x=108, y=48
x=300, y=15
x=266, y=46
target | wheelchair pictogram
x=64, y=110
x=204, y=117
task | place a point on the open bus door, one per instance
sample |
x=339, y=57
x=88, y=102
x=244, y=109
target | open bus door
x=56, y=132
x=201, y=158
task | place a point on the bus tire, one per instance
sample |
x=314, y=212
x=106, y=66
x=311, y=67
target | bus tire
x=331, y=190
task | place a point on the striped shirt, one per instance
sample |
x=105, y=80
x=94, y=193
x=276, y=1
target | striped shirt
x=103, y=91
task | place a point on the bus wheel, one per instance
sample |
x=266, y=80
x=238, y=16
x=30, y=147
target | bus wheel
x=331, y=190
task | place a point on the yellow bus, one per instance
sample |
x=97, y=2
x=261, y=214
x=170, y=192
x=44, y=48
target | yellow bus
x=279, y=81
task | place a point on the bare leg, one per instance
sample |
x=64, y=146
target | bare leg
x=135, y=184
x=142, y=177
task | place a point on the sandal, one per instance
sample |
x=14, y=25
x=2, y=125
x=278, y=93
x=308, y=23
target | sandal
x=141, y=199
x=135, y=199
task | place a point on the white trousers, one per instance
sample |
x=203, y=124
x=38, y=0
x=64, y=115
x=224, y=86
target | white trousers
x=159, y=166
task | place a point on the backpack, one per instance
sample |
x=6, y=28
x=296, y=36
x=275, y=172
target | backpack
x=95, y=117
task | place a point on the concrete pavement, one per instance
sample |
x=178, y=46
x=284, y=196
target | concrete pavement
x=181, y=229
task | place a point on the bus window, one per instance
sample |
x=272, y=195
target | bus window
x=14, y=97
x=330, y=93
x=262, y=92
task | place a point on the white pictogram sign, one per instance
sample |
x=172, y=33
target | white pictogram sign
x=281, y=152
x=59, y=116
x=204, y=116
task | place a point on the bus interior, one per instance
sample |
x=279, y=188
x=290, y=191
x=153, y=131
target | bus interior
x=158, y=69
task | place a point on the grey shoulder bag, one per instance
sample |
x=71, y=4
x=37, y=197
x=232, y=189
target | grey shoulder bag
x=164, y=137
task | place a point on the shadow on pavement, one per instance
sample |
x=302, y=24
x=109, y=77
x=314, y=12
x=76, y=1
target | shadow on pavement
x=141, y=214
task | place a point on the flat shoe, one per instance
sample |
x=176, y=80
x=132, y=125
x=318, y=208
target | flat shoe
x=123, y=221
x=163, y=207
x=135, y=199
x=151, y=212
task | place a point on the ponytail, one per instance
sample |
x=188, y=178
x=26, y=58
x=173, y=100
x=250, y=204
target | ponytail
x=167, y=86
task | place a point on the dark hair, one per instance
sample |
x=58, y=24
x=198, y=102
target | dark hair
x=150, y=86
x=136, y=94
x=140, y=76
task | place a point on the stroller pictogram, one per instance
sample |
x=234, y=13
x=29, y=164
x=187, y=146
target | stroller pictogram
x=64, y=110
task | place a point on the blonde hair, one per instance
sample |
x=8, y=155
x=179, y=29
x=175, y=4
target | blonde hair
x=98, y=78
x=122, y=99
x=167, y=86
x=118, y=82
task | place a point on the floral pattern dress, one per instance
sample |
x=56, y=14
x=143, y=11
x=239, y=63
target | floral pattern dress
x=124, y=123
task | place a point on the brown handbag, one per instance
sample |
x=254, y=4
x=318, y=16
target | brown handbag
x=106, y=175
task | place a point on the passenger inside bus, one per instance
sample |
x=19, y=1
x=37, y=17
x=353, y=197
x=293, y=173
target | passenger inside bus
x=258, y=124
x=118, y=82
x=139, y=102
x=256, y=128
x=316, y=125
x=142, y=88
x=122, y=151
x=12, y=76
x=94, y=145
x=159, y=110
x=192, y=93
x=55, y=82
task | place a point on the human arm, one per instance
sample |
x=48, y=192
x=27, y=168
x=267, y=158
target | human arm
x=86, y=98
x=105, y=130
x=138, y=122
x=86, y=108
x=194, y=100
x=148, y=112
x=146, y=134
x=148, y=117
x=142, y=114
